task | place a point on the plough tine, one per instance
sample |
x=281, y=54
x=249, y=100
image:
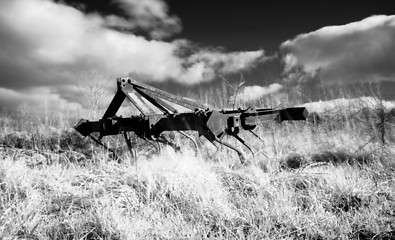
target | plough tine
x=193, y=141
x=153, y=142
x=159, y=146
x=256, y=135
x=156, y=145
x=243, y=142
x=97, y=141
x=263, y=142
x=241, y=155
x=133, y=152
x=219, y=139
x=164, y=140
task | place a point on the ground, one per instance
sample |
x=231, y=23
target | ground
x=328, y=178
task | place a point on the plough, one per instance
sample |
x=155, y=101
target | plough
x=162, y=112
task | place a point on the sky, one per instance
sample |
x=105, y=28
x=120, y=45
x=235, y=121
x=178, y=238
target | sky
x=52, y=51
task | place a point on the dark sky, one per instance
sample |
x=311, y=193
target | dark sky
x=49, y=47
x=248, y=25
x=252, y=24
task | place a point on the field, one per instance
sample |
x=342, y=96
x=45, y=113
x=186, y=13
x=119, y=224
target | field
x=332, y=177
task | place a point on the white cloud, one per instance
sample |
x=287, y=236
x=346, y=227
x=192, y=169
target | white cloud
x=356, y=52
x=349, y=105
x=36, y=100
x=150, y=15
x=45, y=44
x=252, y=93
x=229, y=62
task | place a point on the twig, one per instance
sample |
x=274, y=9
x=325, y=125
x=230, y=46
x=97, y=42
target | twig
x=365, y=144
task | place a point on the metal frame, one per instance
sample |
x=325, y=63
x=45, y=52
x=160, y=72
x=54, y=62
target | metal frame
x=212, y=124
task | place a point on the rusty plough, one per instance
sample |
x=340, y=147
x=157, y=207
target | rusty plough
x=162, y=112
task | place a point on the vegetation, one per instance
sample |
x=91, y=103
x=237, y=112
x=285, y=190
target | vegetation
x=330, y=178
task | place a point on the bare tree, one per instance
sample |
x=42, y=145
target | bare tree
x=93, y=85
x=235, y=89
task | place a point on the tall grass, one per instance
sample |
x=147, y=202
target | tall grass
x=331, y=178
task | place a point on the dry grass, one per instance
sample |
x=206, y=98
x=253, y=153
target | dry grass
x=310, y=181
